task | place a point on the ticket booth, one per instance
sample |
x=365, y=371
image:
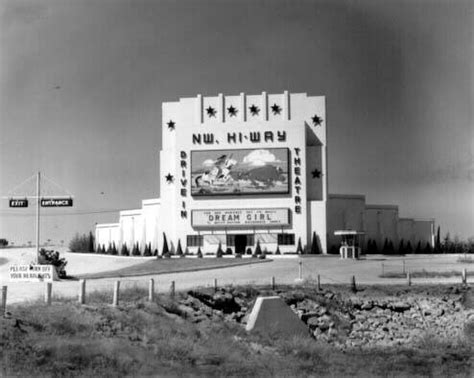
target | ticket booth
x=351, y=242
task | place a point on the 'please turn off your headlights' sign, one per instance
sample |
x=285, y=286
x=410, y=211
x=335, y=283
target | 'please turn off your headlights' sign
x=56, y=202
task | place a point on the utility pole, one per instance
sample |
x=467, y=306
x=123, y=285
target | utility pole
x=38, y=191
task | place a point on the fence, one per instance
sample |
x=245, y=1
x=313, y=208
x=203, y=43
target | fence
x=386, y=270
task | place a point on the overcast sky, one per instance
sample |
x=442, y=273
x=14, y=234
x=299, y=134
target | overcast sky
x=82, y=82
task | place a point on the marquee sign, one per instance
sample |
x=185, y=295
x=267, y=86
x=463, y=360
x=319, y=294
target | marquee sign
x=241, y=217
x=56, y=202
x=18, y=202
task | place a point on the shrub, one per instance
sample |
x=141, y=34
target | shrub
x=50, y=257
x=277, y=252
x=228, y=251
x=147, y=251
x=124, y=251
x=401, y=247
x=428, y=248
x=238, y=255
x=409, y=248
x=179, y=250
x=418, y=248
x=165, y=249
x=248, y=251
x=167, y=255
x=219, y=252
x=315, y=249
x=262, y=256
x=91, y=240
x=186, y=251
x=109, y=249
x=135, y=250
x=114, y=249
x=155, y=252
x=199, y=253
x=299, y=250
x=258, y=249
x=3, y=243
x=79, y=243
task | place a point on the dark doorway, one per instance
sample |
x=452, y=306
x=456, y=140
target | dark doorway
x=240, y=243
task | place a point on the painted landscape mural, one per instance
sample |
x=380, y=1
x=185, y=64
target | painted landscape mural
x=239, y=172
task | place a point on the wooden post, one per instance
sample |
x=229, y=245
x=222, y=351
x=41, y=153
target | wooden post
x=82, y=292
x=116, y=294
x=172, y=289
x=273, y=283
x=47, y=293
x=215, y=284
x=464, y=276
x=408, y=278
x=151, y=290
x=4, y=300
x=353, y=284
x=319, y=282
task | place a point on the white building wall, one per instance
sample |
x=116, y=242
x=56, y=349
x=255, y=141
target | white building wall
x=424, y=232
x=381, y=223
x=107, y=233
x=345, y=212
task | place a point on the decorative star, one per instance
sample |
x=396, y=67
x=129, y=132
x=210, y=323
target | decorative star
x=232, y=111
x=169, y=178
x=316, y=120
x=211, y=112
x=171, y=125
x=276, y=109
x=254, y=110
x=316, y=173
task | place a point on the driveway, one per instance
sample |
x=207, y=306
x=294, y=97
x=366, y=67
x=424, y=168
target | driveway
x=285, y=269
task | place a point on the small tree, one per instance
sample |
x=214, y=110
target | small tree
x=147, y=251
x=165, y=249
x=3, y=243
x=437, y=248
x=385, y=247
x=179, y=250
x=391, y=248
x=409, y=248
x=258, y=249
x=186, y=251
x=418, y=248
x=219, y=252
x=299, y=250
x=315, y=249
x=277, y=252
x=114, y=249
x=401, y=247
x=109, y=249
x=428, y=248
x=155, y=252
x=124, y=251
x=135, y=250
x=199, y=253
x=91, y=242
x=50, y=257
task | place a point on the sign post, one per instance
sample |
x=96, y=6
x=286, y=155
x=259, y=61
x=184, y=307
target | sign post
x=50, y=201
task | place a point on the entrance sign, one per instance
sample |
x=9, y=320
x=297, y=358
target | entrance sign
x=241, y=217
x=31, y=273
x=18, y=202
x=56, y=202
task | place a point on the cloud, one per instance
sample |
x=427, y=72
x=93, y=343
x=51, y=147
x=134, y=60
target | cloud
x=259, y=158
x=208, y=163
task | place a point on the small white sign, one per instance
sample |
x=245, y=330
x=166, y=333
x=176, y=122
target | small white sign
x=241, y=217
x=31, y=273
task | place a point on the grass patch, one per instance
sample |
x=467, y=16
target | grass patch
x=175, y=265
x=140, y=339
x=425, y=274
